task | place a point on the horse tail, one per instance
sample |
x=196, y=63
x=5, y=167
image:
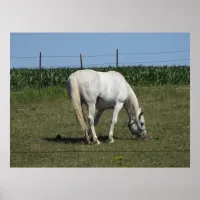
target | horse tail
x=75, y=98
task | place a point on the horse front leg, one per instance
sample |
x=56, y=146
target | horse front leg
x=118, y=106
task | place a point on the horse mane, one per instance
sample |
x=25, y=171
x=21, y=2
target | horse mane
x=134, y=101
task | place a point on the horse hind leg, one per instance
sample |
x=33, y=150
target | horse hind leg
x=87, y=137
x=87, y=131
x=91, y=109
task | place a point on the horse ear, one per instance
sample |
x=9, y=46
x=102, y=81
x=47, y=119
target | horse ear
x=141, y=113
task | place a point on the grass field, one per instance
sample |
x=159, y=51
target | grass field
x=37, y=121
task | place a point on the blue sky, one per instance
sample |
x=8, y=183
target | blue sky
x=150, y=45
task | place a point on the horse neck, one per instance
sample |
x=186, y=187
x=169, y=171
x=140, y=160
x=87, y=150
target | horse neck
x=132, y=105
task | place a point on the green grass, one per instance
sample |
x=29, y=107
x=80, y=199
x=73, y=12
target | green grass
x=37, y=120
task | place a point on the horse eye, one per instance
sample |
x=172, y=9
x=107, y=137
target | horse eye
x=142, y=124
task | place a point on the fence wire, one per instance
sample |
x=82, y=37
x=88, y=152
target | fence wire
x=82, y=58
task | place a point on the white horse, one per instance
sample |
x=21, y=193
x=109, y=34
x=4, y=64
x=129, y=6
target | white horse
x=101, y=91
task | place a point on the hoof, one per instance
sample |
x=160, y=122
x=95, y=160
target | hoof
x=111, y=141
x=86, y=141
x=97, y=142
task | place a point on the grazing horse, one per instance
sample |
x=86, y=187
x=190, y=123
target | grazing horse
x=100, y=91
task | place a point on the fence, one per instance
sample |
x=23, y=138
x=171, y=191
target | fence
x=116, y=55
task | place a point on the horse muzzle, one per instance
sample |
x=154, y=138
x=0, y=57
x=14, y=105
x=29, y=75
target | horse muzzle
x=142, y=135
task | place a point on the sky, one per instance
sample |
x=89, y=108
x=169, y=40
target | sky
x=98, y=49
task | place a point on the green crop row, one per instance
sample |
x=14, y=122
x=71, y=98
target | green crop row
x=135, y=75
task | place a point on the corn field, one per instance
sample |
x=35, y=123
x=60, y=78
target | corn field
x=135, y=75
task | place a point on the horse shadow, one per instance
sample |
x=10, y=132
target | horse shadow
x=81, y=140
x=72, y=140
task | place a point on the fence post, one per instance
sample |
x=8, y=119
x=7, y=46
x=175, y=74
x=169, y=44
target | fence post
x=40, y=67
x=81, y=61
x=116, y=59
